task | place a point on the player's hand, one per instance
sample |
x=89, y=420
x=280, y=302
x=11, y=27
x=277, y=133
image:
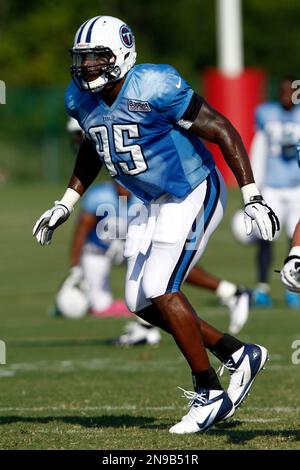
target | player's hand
x=266, y=219
x=116, y=251
x=290, y=273
x=75, y=275
x=49, y=221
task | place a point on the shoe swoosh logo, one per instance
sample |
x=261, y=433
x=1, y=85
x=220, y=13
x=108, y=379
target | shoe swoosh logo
x=178, y=84
x=208, y=420
x=242, y=379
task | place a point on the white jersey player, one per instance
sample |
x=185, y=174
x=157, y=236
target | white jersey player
x=274, y=164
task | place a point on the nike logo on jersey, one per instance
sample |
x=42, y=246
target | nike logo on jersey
x=178, y=84
x=139, y=106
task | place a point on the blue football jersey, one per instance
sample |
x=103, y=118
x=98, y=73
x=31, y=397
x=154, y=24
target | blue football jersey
x=282, y=129
x=96, y=200
x=139, y=138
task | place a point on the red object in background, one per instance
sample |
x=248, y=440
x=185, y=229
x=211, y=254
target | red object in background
x=237, y=99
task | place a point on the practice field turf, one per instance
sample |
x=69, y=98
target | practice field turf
x=64, y=385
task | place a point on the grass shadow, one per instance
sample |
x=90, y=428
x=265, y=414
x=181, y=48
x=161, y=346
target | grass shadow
x=106, y=421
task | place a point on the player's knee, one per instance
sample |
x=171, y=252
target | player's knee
x=134, y=300
x=131, y=300
x=152, y=286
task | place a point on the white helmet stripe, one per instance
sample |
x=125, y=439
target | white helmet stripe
x=79, y=33
x=89, y=33
x=83, y=31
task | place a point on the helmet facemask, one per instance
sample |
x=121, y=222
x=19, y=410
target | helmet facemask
x=93, y=68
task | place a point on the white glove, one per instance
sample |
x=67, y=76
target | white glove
x=266, y=219
x=116, y=251
x=49, y=221
x=290, y=273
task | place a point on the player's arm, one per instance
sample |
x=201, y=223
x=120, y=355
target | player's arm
x=290, y=273
x=258, y=157
x=86, y=169
x=210, y=125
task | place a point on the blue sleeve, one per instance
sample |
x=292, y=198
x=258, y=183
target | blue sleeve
x=102, y=193
x=259, y=121
x=90, y=202
x=70, y=101
x=173, y=94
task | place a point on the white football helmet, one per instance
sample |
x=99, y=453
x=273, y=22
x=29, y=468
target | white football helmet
x=72, y=302
x=239, y=230
x=103, y=52
x=72, y=299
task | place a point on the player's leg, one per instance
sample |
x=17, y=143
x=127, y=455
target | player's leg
x=237, y=299
x=261, y=294
x=182, y=230
x=242, y=360
x=174, y=306
x=264, y=258
x=292, y=197
x=96, y=268
x=138, y=242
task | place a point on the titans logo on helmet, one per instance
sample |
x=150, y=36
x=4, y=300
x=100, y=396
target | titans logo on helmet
x=126, y=36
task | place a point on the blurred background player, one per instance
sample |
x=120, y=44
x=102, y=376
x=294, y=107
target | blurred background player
x=92, y=257
x=274, y=163
x=290, y=273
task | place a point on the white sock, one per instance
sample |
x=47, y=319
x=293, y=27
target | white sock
x=143, y=322
x=226, y=289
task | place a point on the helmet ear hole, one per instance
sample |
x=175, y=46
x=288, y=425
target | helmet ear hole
x=126, y=55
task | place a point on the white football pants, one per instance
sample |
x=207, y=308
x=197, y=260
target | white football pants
x=166, y=239
x=285, y=202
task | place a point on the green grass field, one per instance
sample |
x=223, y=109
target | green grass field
x=65, y=387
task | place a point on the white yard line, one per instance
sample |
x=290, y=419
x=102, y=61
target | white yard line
x=103, y=363
x=87, y=408
x=139, y=408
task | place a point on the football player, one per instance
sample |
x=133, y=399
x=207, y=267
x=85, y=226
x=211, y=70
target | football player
x=290, y=273
x=92, y=257
x=145, y=124
x=274, y=164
